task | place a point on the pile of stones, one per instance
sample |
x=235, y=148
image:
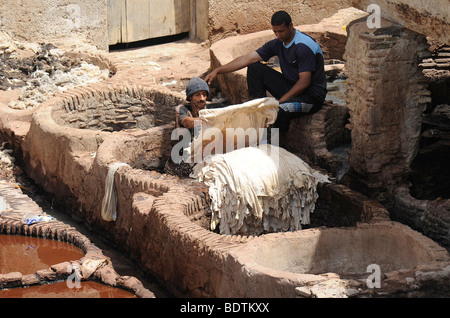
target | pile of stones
x=16, y=72
x=437, y=66
x=42, y=75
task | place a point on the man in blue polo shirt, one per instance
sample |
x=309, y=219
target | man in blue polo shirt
x=301, y=86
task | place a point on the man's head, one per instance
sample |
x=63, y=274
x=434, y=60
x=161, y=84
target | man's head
x=197, y=91
x=282, y=26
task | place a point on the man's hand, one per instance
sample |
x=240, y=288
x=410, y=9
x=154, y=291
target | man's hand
x=234, y=65
x=302, y=84
x=210, y=77
x=199, y=121
x=191, y=122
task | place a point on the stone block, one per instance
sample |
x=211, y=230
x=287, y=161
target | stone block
x=62, y=269
x=12, y=279
x=107, y=275
x=31, y=279
x=47, y=275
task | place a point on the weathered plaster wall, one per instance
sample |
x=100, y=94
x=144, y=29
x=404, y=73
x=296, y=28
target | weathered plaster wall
x=56, y=20
x=47, y=20
x=228, y=18
x=431, y=18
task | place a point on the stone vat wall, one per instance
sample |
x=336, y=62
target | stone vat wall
x=313, y=136
x=431, y=217
x=386, y=95
x=115, y=110
x=274, y=264
x=65, y=174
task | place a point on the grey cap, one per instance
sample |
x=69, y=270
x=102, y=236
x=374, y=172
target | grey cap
x=195, y=85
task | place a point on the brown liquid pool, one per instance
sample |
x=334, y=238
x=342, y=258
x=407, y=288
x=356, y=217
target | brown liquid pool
x=88, y=289
x=27, y=255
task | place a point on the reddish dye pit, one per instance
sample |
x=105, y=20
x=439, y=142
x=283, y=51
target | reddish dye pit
x=27, y=255
x=88, y=289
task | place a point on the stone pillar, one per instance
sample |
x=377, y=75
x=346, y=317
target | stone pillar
x=386, y=96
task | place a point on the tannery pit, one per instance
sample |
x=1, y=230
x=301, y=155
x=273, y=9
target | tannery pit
x=94, y=130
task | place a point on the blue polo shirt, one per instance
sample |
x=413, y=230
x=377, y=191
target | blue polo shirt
x=301, y=55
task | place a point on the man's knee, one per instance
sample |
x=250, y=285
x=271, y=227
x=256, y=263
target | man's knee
x=256, y=80
x=256, y=68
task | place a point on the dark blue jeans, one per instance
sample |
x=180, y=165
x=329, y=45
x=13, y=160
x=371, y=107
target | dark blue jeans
x=262, y=78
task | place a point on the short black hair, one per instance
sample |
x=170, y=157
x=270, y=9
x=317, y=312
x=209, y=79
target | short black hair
x=280, y=17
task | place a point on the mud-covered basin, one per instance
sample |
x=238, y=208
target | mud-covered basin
x=344, y=251
x=115, y=109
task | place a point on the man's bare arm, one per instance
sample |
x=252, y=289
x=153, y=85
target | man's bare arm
x=302, y=84
x=234, y=65
x=191, y=122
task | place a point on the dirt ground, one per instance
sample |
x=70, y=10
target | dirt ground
x=172, y=64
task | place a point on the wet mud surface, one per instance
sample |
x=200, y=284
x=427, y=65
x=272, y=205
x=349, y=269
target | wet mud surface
x=30, y=254
x=87, y=289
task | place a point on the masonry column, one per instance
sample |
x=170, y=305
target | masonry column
x=386, y=96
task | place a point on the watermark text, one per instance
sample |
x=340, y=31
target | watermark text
x=374, y=19
x=213, y=141
x=374, y=279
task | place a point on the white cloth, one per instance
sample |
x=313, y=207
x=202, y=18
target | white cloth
x=246, y=119
x=259, y=189
x=109, y=203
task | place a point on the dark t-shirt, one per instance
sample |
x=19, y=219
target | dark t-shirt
x=301, y=55
x=184, y=111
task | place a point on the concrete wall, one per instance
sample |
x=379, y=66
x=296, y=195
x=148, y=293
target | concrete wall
x=56, y=20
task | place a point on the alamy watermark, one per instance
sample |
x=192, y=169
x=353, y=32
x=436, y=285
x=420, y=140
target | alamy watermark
x=374, y=279
x=213, y=141
x=374, y=19
x=74, y=16
x=74, y=279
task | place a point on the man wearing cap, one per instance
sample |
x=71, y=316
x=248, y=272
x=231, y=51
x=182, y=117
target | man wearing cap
x=187, y=116
x=197, y=92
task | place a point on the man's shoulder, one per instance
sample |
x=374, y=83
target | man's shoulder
x=273, y=43
x=184, y=109
x=303, y=41
x=185, y=105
